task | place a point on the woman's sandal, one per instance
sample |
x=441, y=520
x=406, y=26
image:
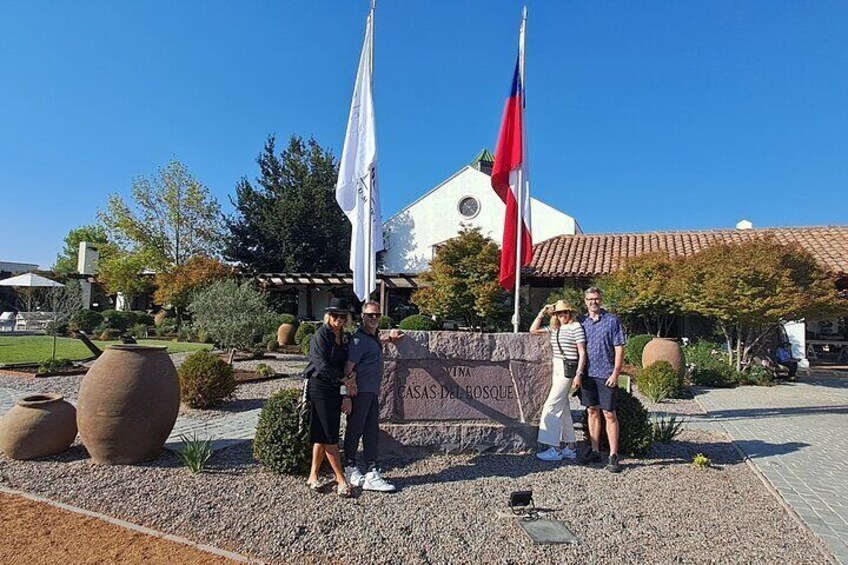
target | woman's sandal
x=317, y=486
x=343, y=490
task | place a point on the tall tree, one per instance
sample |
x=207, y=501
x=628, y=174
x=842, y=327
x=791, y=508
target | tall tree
x=178, y=287
x=66, y=260
x=462, y=282
x=288, y=220
x=748, y=288
x=171, y=218
x=122, y=273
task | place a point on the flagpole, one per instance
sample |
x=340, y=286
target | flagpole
x=519, y=232
x=369, y=244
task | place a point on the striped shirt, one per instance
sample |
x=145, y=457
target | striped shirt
x=565, y=339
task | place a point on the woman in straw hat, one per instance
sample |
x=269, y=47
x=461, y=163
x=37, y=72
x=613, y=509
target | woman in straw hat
x=327, y=357
x=568, y=344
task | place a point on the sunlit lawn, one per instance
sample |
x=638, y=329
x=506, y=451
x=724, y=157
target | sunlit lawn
x=37, y=348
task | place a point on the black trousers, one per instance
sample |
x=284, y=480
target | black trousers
x=362, y=423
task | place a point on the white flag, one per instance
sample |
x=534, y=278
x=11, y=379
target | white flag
x=357, y=188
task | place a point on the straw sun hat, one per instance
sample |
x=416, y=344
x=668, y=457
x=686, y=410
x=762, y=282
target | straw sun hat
x=563, y=306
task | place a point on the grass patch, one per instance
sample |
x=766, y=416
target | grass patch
x=37, y=348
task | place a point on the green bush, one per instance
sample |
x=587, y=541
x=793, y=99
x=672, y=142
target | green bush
x=187, y=333
x=235, y=315
x=635, y=430
x=86, y=321
x=139, y=331
x=282, y=434
x=303, y=335
x=265, y=370
x=56, y=328
x=53, y=365
x=167, y=327
x=385, y=323
x=659, y=381
x=756, y=375
x=708, y=365
x=119, y=320
x=205, y=380
x=666, y=429
x=633, y=348
x=110, y=334
x=418, y=322
x=286, y=319
x=271, y=343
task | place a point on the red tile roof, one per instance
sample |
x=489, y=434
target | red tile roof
x=599, y=254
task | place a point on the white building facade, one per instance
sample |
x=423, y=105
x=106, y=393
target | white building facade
x=465, y=199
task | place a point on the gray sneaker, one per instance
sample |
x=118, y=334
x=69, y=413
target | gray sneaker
x=613, y=466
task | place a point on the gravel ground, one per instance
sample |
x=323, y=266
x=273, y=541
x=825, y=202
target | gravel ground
x=449, y=508
x=673, y=406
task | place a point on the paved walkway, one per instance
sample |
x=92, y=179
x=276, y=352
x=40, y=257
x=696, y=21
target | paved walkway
x=797, y=435
x=225, y=431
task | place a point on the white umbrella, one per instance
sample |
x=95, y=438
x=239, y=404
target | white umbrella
x=29, y=280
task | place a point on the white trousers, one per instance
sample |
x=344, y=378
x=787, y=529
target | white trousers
x=555, y=425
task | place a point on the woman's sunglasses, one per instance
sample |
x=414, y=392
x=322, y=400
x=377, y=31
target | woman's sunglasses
x=337, y=315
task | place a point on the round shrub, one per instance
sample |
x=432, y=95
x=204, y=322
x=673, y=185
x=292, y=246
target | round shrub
x=286, y=319
x=54, y=365
x=265, y=370
x=633, y=348
x=659, y=381
x=119, y=320
x=139, y=330
x=635, y=430
x=206, y=380
x=303, y=335
x=282, y=434
x=418, y=322
x=86, y=321
x=271, y=343
x=385, y=323
x=110, y=334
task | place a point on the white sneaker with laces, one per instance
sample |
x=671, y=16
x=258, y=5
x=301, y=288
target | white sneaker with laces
x=354, y=476
x=550, y=454
x=373, y=480
x=568, y=453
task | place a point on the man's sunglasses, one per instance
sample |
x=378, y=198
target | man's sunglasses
x=372, y=315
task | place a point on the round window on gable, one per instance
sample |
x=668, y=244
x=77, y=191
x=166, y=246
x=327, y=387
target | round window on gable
x=469, y=206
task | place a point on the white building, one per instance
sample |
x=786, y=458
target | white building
x=466, y=198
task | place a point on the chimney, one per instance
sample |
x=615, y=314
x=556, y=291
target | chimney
x=87, y=258
x=744, y=225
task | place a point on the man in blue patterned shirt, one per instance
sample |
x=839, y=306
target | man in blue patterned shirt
x=599, y=388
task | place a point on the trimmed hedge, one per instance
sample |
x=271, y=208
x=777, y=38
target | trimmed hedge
x=206, y=380
x=659, y=381
x=86, y=321
x=633, y=348
x=119, y=320
x=386, y=323
x=635, y=430
x=417, y=322
x=282, y=434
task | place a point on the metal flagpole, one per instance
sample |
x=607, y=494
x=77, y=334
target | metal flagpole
x=369, y=223
x=519, y=232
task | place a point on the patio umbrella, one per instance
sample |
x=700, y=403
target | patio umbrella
x=31, y=281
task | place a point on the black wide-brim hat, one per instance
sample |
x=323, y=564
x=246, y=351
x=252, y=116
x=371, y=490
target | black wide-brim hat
x=339, y=305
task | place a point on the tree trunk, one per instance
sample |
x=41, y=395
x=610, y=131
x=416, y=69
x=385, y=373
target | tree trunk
x=232, y=355
x=738, y=349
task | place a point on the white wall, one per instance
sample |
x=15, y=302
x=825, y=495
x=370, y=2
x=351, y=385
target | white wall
x=435, y=218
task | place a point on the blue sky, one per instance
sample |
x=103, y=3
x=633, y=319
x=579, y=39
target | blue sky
x=641, y=116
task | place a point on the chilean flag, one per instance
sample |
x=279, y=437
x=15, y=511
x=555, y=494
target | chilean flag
x=510, y=160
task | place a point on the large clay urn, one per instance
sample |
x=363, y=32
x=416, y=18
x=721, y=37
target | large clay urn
x=128, y=404
x=285, y=334
x=664, y=349
x=37, y=426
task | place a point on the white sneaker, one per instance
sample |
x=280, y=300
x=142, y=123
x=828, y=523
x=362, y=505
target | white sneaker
x=550, y=454
x=568, y=453
x=373, y=480
x=354, y=476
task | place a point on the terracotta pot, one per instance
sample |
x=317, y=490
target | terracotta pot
x=285, y=334
x=128, y=404
x=37, y=426
x=664, y=349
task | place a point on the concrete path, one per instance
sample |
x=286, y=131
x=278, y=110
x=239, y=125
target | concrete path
x=224, y=431
x=797, y=436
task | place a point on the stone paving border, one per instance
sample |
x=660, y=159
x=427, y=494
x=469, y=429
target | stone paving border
x=136, y=528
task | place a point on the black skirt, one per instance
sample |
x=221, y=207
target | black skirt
x=326, y=414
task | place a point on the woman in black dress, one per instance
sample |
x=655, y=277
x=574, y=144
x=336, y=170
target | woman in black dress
x=327, y=357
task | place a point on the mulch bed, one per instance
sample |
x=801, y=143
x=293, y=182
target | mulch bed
x=32, y=371
x=38, y=533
